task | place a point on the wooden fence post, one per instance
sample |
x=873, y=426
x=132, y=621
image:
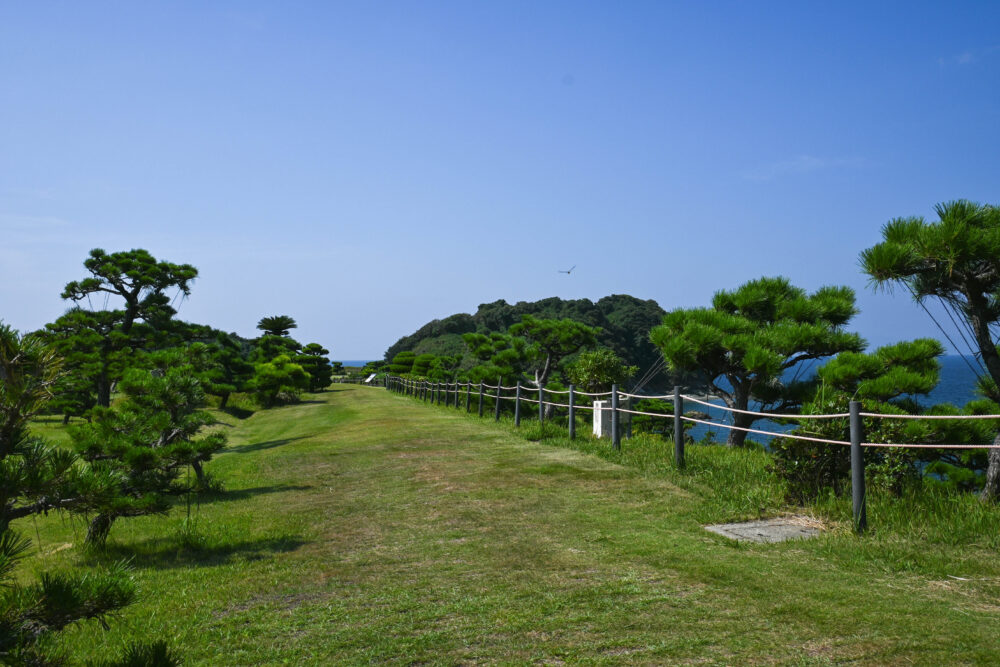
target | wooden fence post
x=858, y=500
x=616, y=440
x=678, y=428
x=572, y=415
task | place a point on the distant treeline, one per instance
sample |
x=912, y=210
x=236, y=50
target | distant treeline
x=624, y=320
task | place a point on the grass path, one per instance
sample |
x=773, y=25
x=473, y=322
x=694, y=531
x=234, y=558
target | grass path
x=364, y=527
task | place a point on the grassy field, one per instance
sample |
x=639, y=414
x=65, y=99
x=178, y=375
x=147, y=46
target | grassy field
x=361, y=526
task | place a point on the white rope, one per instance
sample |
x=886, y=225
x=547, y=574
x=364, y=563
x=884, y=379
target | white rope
x=770, y=433
x=649, y=414
x=921, y=446
x=765, y=414
x=643, y=396
x=875, y=414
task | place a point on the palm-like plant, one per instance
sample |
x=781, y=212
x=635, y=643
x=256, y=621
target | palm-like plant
x=276, y=325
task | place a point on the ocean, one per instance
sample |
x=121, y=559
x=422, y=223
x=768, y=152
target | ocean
x=356, y=363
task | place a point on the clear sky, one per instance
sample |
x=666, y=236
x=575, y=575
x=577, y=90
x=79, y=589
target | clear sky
x=366, y=167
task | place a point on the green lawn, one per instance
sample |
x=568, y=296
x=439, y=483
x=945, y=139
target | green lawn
x=362, y=526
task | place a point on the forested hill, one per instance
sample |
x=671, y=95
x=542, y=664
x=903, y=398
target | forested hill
x=625, y=321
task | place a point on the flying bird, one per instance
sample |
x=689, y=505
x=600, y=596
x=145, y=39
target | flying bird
x=569, y=271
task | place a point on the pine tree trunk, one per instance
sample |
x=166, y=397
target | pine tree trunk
x=740, y=401
x=65, y=419
x=103, y=392
x=224, y=401
x=991, y=492
x=100, y=527
x=198, y=472
x=991, y=358
x=738, y=438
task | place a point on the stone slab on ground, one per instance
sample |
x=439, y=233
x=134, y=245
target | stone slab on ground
x=768, y=530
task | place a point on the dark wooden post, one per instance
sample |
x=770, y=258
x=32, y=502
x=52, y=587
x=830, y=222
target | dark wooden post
x=678, y=428
x=517, y=404
x=616, y=440
x=572, y=414
x=858, y=470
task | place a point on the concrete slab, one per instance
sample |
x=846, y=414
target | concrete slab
x=768, y=530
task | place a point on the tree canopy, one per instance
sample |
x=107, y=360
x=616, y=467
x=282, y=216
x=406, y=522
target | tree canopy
x=956, y=260
x=136, y=277
x=551, y=341
x=753, y=338
x=277, y=325
x=624, y=322
x=598, y=370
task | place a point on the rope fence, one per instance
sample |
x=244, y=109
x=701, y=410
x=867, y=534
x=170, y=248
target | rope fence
x=450, y=393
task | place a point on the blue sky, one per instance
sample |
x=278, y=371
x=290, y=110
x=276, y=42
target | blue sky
x=366, y=167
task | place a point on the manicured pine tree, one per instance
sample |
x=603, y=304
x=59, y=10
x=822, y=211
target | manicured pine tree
x=886, y=381
x=551, y=341
x=278, y=381
x=501, y=356
x=598, y=370
x=753, y=337
x=220, y=366
x=97, y=343
x=955, y=260
x=314, y=361
x=422, y=364
x=402, y=363
x=138, y=449
x=35, y=478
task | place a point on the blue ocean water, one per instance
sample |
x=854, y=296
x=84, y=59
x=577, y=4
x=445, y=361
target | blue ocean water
x=354, y=362
x=957, y=385
x=958, y=381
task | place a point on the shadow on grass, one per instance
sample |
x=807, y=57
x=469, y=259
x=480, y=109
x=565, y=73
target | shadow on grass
x=267, y=444
x=189, y=551
x=242, y=494
x=239, y=413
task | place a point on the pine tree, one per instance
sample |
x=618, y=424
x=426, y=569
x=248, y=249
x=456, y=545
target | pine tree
x=314, y=361
x=752, y=336
x=955, y=260
x=138, y=448
x=34, y=478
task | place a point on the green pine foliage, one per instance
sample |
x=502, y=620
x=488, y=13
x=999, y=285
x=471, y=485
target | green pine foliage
x=551, y=341
x=138, y=449
x=956, y=261
x=279, y=381
x=752, y=336
x=270, y=346
x=501, y=356
x=221, y=366
x=885, y=381
x=624, y=323
x=36, y=478
x=422, y=364
x=598, y=370
x=314, y=361
x=402, y=363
